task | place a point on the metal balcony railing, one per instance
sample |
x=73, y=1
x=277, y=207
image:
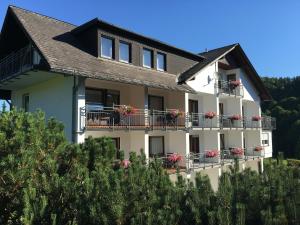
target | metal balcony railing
x=169, y=119
x=228, y=88
x=268, y=123
x=200, y=120
x=227, y=121
x=112, y=117
x=18, y=62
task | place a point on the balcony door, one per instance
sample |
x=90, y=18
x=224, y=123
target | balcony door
x=102, y=97
x=222, y=142
x=194, y=144
x=231, y=77
x=156, y=102
x=193, y=110
x=156, y=146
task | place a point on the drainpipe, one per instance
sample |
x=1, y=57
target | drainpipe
x=74, y=117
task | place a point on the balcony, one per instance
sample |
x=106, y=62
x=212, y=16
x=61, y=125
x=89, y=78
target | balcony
x=231, y=122
x=130, y=118
x=18, y=62
x=229, y=88
x=265, y=122
x=204, y=120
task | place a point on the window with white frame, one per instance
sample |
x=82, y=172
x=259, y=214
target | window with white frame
x=161, y=61
x=107, y=47
x=124, y=52
x=147, y=58
x=265, y=139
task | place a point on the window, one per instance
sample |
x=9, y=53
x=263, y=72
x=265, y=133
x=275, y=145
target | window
x=161, y=61
x=102, y=97
x=107, y=47
x=156, y=146
x=194, y=144
x=156, y=102
x=265, y=139
x=231, y=77
x=116, y=143
x=147, y=58
x=124, y=52
x=25, y=102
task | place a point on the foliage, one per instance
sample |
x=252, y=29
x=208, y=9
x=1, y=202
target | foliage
x=285, y=107
x=46, y=180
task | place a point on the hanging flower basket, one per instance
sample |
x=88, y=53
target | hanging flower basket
x=235, y=117
x=256, y=118
x=234, y=83
x=211, y=153
x=126, y=110
x=210, y=115
x=237, y=151
x=258, y=148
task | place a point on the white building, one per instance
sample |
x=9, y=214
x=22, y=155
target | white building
x=103, y=80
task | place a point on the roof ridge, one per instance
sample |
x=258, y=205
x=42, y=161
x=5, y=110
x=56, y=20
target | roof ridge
x=226, y=46
x=42, y=15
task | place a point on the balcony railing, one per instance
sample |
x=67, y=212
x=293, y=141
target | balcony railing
x=18, y=62
x=200, y=120
x=229, y=88
x=111, y=117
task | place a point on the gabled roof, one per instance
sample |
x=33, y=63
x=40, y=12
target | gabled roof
x=65, y=54
x=210, y=57
x=216, y=54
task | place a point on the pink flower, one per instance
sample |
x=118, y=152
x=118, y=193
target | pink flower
x=210, y=115
x=235, y=83
x=126, y=110
x=174, y=158
x=237, y=151
x=235, y=117
x=256, y=118
x=125, y=163
x=211, y=153
x=258, y=148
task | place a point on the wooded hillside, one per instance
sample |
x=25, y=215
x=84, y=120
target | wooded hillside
x=286, y=108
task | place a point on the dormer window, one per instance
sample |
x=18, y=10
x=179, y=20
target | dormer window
x=124, y=52
x=107, y=47
x=161, y=61
x=147, y=58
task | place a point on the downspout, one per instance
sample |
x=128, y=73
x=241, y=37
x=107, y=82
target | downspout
x=74, y=111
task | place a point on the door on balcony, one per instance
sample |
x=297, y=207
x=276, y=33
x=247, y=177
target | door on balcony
x=156, y=102
x=156, y=146
x=101, y=97
x=231, y=77
x=194, y=144
x=193, y=110
x=222, y=142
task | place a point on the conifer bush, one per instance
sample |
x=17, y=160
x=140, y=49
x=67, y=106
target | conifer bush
x=46, y=180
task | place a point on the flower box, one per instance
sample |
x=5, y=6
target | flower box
x=210, y=115
x=126, y=110
x=258, y=148
x=174, y=158
x=211, y=153
x=237, y=152
x=234, y=83
x=174, y=114
x=256, y=118
x=235, y=117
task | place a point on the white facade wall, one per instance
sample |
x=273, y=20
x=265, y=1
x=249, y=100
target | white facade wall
x=268, y=148
x=53, y=96
x=205, y=79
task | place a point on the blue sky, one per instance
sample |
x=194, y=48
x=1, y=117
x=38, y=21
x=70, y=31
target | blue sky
x=268, y=30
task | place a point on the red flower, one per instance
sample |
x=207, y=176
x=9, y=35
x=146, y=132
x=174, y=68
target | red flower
x=211, y=153
x=175, y=113
x=174, y=158
x=125, y=163
x=237, y=151
x=126, y=110
x=256, y=118
x=258, y=148
x=235, y=117
x=210, y=115
x=235, y=83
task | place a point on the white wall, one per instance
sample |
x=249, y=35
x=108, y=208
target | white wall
x=205, y=79
x=268, y=148
x=233, y=138
x=54, y=97
x=250, y=92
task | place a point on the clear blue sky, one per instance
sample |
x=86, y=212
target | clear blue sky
x=268, y=30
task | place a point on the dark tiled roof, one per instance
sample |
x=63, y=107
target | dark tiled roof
x=64, y=54
x=210, y=56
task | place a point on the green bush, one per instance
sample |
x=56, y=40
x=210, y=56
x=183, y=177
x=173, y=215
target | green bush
x=46, y=180
x=293, y=162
